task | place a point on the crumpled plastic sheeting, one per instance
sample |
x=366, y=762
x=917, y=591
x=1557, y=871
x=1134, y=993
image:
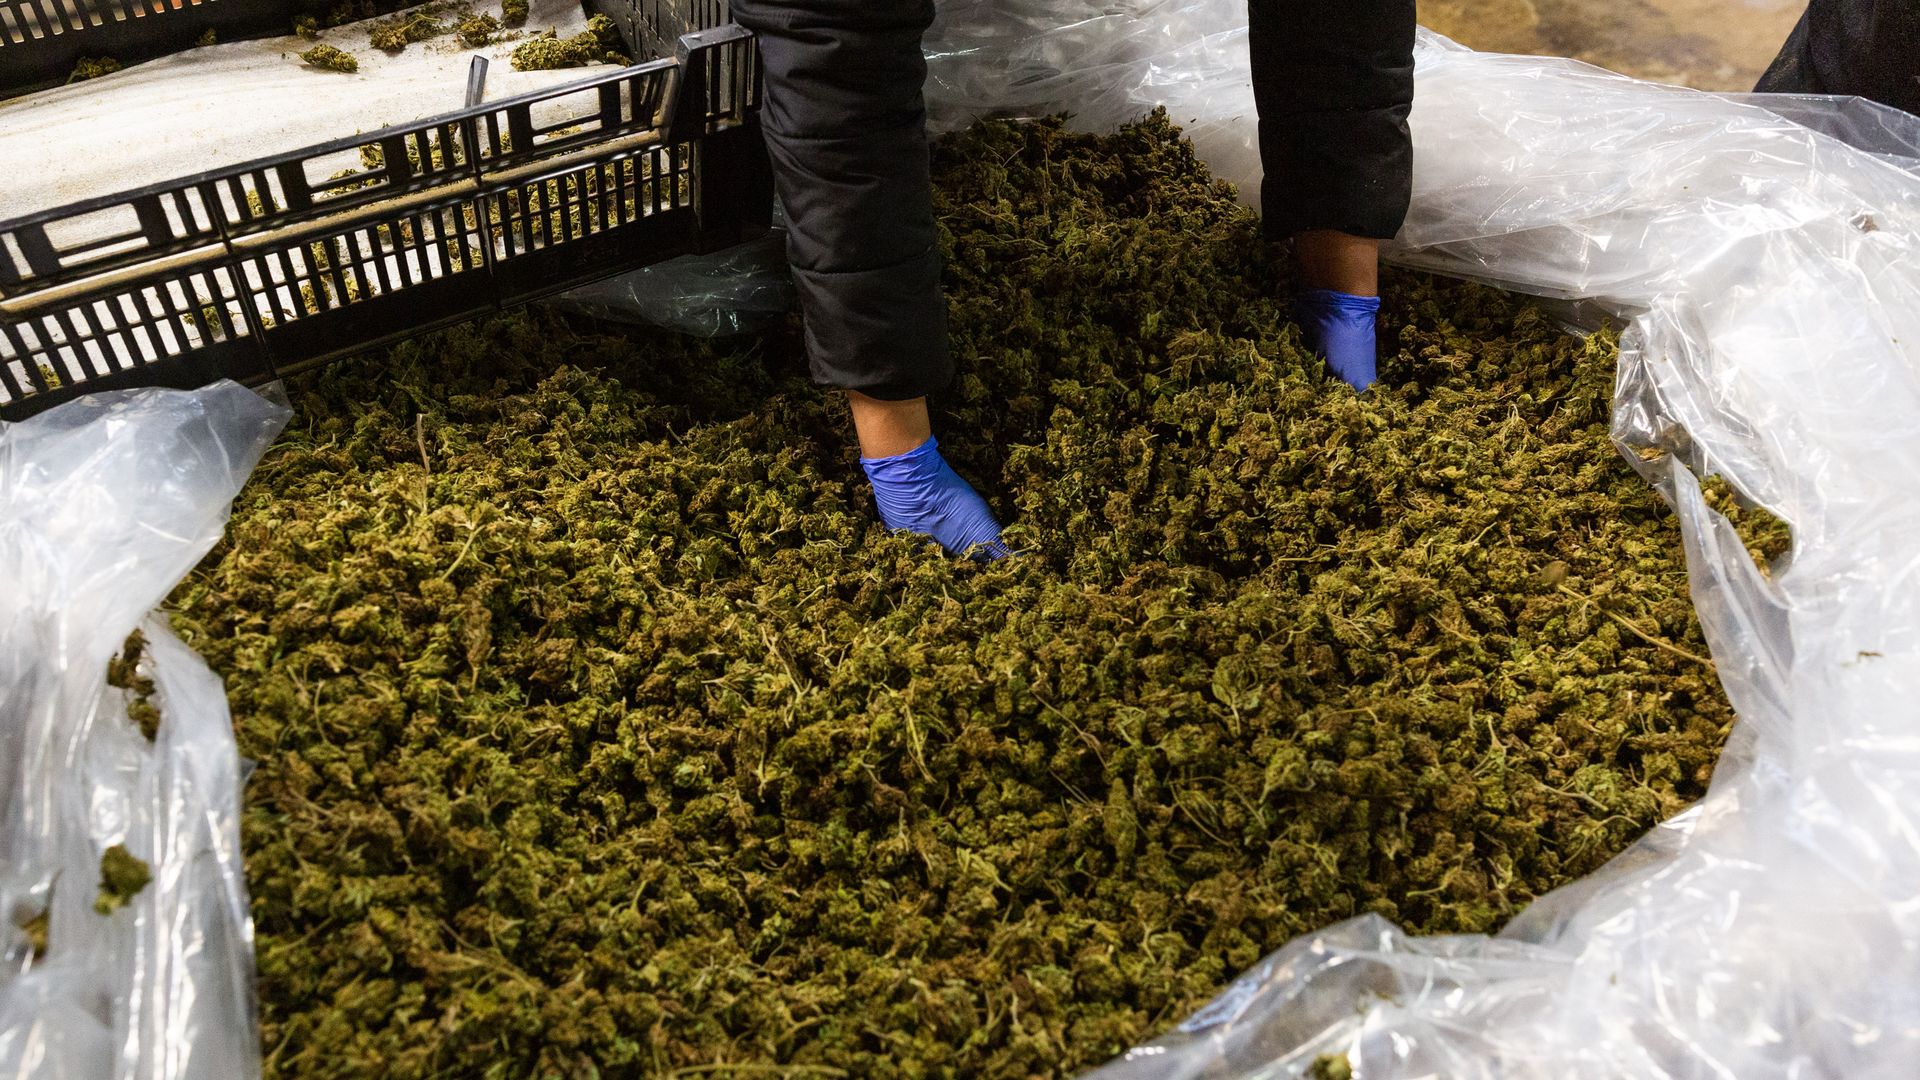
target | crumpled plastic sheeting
x=1865, y=125
x=744, y=289
x=1105, y=63
x=1768, y=275
x=105, y=504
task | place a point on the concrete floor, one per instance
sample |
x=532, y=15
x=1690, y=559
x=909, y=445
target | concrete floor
x=1709, y=44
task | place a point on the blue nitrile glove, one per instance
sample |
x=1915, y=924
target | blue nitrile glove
x=1340, y=327
x=919, y=492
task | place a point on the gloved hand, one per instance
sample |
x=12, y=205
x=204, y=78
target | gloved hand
x=1341, y=327
x=918, y=492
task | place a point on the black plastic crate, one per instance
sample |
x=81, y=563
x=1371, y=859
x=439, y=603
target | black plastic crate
x=258, y=270
x=42, y=40
x=652, y=26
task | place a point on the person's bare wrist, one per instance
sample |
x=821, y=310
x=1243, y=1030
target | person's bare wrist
x=889, y=428
x=1338, y=261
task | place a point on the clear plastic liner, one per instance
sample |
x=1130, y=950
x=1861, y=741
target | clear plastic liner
x=1767, y=275
x=1865, y=125
x=105, y=504
x=742, y=290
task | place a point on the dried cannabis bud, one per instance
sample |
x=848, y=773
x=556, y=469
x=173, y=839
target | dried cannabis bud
x=395, y=34
x=601, y=729
x=514, y=12
x=1331, y=1067
x=122, y=877
x=123, y=673
x=328, y=58
x=93, y=68
x=36, y=928
x=1766, y=537
x=599, y=43
x=477, y=31
x=400, y=31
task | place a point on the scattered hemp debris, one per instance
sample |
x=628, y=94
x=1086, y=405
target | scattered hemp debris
x=329, y=58
x=601, y=729
x=93, y=68
x=207, y=40
x=123, y=673
x=122, y=876
x=599, y=43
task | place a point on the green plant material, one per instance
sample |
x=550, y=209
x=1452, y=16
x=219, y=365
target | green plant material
x=93, y=68
x=307, y=26
x=607, y=36
x=329, y=58
x=1766, y=537
x=207, y=40
x=123, y=672
x=513, y=13
x=395, y=34
x=478, y=31
x=207, y=327
x=547, y=52
x=1331, y=1067
x=123, y=669
x=122, y=876
x=601, y=729
x=599, y=43
x=35, y=928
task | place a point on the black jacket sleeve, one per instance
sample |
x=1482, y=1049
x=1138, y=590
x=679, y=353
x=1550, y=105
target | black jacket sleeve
x=1334, y=84
x=846, y=130
x=1870, y=48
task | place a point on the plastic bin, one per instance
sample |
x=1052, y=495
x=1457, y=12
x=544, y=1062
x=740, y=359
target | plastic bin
x=652, y=26
x=42, y=40
x=260, y=269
